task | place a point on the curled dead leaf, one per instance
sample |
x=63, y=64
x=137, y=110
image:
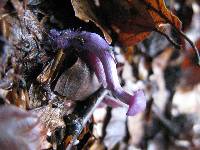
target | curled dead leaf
x=132, y=20
x=84, y=12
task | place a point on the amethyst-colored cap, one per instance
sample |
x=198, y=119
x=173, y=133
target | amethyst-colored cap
x=96, y=52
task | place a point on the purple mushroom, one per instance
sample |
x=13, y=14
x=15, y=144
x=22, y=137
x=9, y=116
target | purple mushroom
x=96, y=52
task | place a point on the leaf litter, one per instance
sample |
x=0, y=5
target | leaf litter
x=63, y=88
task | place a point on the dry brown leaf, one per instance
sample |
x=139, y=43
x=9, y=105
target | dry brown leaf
x=84, y=12
x=159, y=5
x=150, y=14
x=133, y=20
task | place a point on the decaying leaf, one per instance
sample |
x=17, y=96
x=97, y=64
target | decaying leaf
x=83, y=11
x=132, y=20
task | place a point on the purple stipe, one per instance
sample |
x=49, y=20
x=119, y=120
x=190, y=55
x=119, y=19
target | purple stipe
x=96, y=53
x=113, y=102
x=97, y=67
